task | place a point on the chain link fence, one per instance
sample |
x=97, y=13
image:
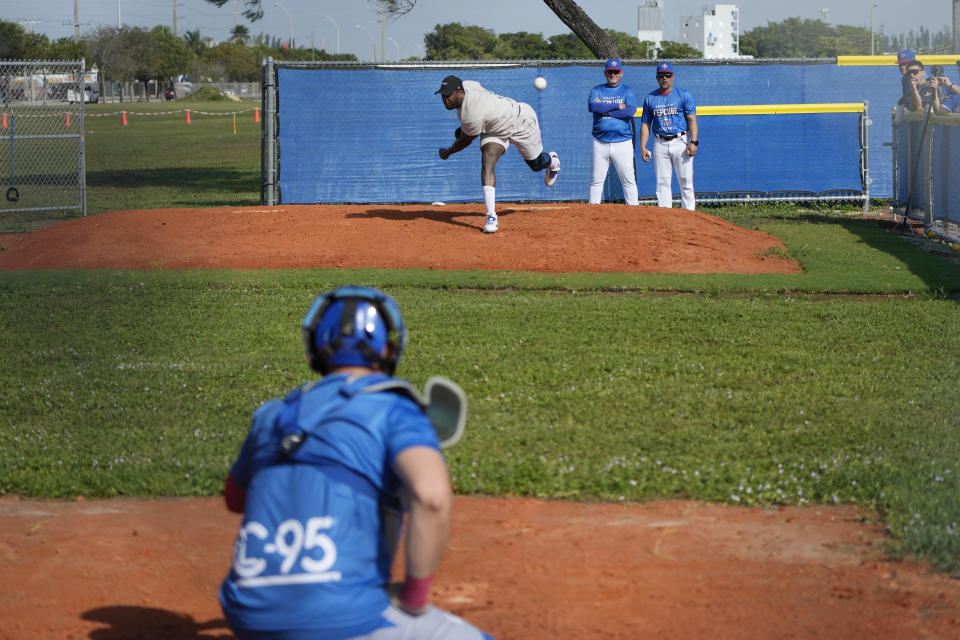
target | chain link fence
x=770, y=130
x=42, y=164
x=925, y=148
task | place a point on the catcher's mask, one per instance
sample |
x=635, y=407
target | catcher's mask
x=351, y=326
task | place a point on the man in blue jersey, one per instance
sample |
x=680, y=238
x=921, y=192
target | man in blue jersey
x=671, y=115
x=919, y=91
x=613, y=106
x=950, y=103
x=322, y=479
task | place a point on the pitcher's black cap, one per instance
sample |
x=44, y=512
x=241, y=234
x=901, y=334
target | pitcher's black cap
x=449, y=85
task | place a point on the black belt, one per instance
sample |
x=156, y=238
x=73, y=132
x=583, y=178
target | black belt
x=672, y=137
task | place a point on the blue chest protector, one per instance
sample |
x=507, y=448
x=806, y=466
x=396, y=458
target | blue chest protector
x=323, y=507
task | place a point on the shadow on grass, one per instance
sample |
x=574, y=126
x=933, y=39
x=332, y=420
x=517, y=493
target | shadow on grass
x=936, y=268
x=147, y=622
x=935, y=265
x=198, y=178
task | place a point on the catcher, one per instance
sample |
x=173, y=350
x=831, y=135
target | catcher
x=324, y=479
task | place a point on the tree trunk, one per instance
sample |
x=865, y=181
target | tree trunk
x=597, y=40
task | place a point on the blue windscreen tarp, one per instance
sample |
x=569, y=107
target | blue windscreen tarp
x=372, y=135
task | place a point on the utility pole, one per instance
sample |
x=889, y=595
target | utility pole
x=174, y=17
x=873, y=28
x=383, y=26
x=235, y=15
x=76, y=21
x=956, y=26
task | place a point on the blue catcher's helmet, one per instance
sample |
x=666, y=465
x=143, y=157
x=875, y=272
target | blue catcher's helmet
x=350, y=326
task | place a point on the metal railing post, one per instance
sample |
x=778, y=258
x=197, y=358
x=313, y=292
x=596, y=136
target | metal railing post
x=865, y=123
x=268, y=133
x=928, y=202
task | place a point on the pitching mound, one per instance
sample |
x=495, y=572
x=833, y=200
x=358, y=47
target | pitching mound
x=558, y=238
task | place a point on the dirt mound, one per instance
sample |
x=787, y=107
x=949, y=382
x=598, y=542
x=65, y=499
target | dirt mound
x=558, y=238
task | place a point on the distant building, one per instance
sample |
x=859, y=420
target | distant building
x=650, y=23
x=716, y=34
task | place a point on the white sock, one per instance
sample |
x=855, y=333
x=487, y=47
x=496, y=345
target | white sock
x=490, y=199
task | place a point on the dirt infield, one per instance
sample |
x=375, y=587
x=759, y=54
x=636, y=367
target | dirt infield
x=519, y=568
x=522, y=569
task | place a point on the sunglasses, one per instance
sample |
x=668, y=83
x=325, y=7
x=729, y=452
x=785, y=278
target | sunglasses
x=916, y=71
x=612, y=72
x=664, y=75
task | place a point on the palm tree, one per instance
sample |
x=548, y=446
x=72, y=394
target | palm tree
x=195, y=41
x=240, y=34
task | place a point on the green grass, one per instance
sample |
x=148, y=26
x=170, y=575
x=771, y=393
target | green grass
x=159, y=161
x=142, y=383
x=751, y=390
x=838, y=255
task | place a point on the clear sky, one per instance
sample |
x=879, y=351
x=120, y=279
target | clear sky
x=323, y=19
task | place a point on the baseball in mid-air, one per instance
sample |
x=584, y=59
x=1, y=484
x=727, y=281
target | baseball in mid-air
x=540, y=83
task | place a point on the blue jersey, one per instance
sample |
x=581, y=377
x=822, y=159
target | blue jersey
x=952, y=103
x=610, y=123
x=666, y=113
x=310, y=554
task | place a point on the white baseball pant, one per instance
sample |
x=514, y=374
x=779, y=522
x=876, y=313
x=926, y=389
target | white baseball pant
x=669, y=156
x=526, y=135
x=621, y=154
x=435, y=624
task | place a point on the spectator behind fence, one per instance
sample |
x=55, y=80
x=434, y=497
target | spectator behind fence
x=950, y=101
x=917, y=92
x=903, y=57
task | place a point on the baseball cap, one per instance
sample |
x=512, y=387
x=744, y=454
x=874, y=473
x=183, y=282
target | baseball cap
x=449, y=85
x=613, y=63
x=906, y=56
x=664, y=67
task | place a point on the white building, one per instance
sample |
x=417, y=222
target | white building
x=716, y=33
x=650, y=23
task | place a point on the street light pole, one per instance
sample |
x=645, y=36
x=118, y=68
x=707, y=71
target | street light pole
x=397, y=45
x=335, y=26
x=373, y=42
x=289, y=17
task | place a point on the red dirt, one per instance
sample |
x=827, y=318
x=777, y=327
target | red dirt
x=518, y=568
x=538, y=237
x=521, y=569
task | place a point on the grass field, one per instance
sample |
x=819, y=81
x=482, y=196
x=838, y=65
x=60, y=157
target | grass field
x=834, y=386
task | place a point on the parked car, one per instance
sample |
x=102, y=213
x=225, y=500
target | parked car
x=90, y=94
